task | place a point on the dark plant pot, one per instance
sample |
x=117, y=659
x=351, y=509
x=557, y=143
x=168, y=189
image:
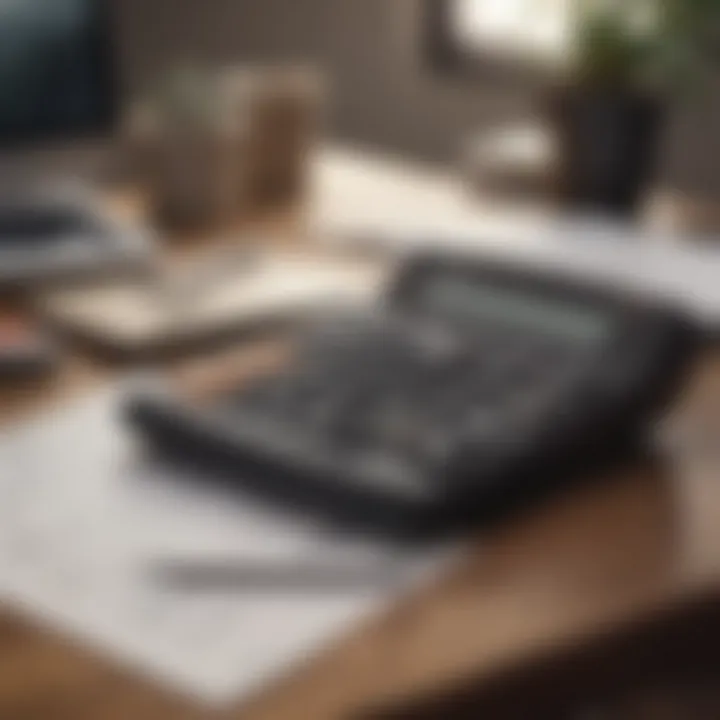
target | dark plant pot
x=608, y=142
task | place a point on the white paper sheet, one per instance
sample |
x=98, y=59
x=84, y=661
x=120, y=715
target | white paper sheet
x=84, y=520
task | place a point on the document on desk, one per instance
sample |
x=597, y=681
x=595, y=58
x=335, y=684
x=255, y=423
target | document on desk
x=209, y=592
x=230, y=293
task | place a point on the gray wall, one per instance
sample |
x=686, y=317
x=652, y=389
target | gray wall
x=383, y=94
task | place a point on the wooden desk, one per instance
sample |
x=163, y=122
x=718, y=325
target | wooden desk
x=581, y=586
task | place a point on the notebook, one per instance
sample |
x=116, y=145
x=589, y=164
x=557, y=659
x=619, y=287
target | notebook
x=214, y=300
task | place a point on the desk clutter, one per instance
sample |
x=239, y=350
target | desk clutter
x=51, y=238
x=256, y=524
x=62, y=235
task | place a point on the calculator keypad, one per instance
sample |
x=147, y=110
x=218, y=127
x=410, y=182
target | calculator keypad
x=405, y=390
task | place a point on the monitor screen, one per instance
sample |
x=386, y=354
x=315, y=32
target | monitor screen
x=56, y=71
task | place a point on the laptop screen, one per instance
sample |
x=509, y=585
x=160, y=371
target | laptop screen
x=56, y=71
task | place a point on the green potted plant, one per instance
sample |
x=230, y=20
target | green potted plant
x=630, y=59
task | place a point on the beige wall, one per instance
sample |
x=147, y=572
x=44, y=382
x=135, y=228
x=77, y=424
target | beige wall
x=383, y=95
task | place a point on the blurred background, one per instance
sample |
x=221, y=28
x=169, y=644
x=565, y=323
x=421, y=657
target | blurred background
x=415, y=78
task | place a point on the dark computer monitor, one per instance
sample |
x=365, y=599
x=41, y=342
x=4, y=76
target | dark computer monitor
x=57, y=72
x=58, y=106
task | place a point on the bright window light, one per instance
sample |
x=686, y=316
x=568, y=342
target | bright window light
x=526, y=27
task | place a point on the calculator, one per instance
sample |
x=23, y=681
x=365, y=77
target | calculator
x=470, y=388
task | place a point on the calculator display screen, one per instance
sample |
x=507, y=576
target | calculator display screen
x=523, y=311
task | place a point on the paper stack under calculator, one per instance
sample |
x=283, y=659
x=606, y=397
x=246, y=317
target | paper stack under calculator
x=87, y=525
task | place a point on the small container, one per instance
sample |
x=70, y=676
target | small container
x=281, y=110
x=194, y=178
x=188, y=150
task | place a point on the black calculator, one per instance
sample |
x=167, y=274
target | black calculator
x=471, y=388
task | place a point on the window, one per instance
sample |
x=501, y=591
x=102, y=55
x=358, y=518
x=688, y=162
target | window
x=475, y=32
x=538, y=27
